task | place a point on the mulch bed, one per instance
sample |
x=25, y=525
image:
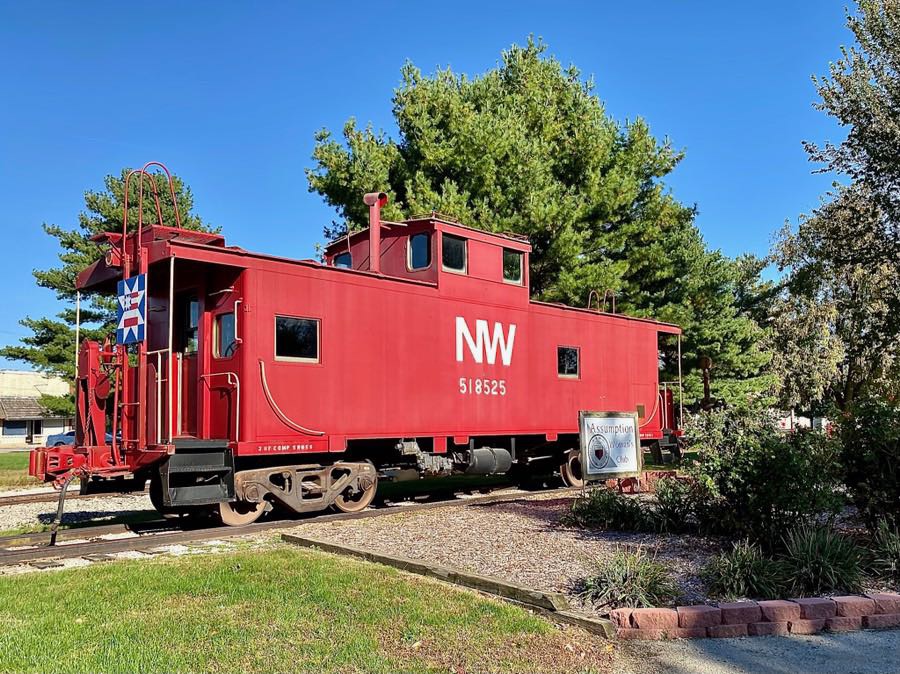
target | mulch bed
x=521, y=541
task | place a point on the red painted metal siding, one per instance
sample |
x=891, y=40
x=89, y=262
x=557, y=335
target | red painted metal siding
x=388, y=359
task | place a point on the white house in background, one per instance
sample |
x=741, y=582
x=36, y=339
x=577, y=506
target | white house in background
x=23, y=421
x=788, y=421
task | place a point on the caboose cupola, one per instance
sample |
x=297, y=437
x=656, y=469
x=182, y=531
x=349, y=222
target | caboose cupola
x=461, y=260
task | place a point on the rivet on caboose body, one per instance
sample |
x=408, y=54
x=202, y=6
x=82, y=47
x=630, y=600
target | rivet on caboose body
x=264, y=380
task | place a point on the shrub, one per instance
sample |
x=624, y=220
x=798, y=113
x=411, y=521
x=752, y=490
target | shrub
x=870, y=436
x=604, y=508
x=745, y=572
x=884, y=552
x=673, y=511
x=754, y=481
x=818, y=559
x=630, y=579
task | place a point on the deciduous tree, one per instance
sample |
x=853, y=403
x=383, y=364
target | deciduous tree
x=836, y=324
x=836, y=328
x=862, y=92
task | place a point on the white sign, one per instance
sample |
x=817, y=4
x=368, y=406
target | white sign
x=610, y=446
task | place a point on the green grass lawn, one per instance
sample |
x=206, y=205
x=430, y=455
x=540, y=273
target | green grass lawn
x=14, y=471
x=278, y=609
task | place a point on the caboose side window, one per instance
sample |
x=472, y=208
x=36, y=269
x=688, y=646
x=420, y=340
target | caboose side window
x=567, y=361
x=512, y=266
x=297, y=339
x=454, y=253
x=419, y=253
x=344, y=260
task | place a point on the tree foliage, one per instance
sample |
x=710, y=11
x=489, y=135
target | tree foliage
x=862, y=92
x=51, y=345
x=836, y=325
x=528, y=148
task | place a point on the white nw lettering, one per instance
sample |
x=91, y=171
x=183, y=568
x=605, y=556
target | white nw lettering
x=484, y=345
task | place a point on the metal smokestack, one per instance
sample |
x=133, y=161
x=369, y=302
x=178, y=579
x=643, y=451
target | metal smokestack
x=375, y=201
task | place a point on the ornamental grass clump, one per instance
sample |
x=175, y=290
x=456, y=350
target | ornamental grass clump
x=673, y=511
x=884, y=553
x=631, y=579
x=819, y=560
x=745, y=571
x=607, y=509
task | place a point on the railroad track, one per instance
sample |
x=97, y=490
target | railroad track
x=150, y=536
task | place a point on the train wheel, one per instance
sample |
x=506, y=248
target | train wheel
x=570, y=469
x=240, y=513
x=156, y=497
x=155, y=492
x=352, y=502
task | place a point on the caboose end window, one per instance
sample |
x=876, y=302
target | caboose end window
x=454, y=253
x=297, y=339
x=512, y=266
x=419, y=254
x=224, y=341
x=567, y=361
x=344, y=261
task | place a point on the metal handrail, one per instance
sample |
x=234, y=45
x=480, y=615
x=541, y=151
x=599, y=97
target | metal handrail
x=275, y=408
x=236, y=382
x=158, y=353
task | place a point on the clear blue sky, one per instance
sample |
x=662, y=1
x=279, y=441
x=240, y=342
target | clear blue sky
x=229, y=95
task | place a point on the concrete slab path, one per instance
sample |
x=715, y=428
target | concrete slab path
x=864, y=652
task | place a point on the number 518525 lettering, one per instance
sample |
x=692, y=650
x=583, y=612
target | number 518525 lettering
x=482, y=387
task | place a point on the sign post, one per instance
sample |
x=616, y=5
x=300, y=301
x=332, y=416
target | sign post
x=610, y=445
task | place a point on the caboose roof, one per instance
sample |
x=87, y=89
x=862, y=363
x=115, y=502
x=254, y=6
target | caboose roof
x=101, y=277
x=512, y=241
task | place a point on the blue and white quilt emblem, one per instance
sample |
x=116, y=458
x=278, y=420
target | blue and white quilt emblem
x=132, y=313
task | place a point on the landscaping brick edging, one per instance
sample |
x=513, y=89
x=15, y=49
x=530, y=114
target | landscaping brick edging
x=763, y=618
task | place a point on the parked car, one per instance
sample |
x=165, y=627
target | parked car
x=60, y=439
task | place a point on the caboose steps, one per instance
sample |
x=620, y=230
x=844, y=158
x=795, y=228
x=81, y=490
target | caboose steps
x=193, y=478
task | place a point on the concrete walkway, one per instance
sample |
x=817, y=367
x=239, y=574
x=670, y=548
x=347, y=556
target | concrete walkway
x=864, y=652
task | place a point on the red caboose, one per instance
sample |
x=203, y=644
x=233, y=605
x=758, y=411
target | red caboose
x=413, y=350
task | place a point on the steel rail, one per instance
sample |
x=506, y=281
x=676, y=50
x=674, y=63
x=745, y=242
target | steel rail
x=85, y=530
x=150, y=541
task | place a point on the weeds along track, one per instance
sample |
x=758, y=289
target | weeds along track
x=149, y=537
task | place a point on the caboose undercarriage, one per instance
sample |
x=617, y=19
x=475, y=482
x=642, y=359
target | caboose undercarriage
x=239, y=382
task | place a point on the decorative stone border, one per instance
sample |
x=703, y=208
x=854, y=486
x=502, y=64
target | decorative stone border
x=764, y=618
x=739, y=619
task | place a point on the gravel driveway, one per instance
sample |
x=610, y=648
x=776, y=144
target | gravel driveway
x=521, y=541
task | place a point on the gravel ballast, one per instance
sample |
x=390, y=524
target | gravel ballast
x=102, y=507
